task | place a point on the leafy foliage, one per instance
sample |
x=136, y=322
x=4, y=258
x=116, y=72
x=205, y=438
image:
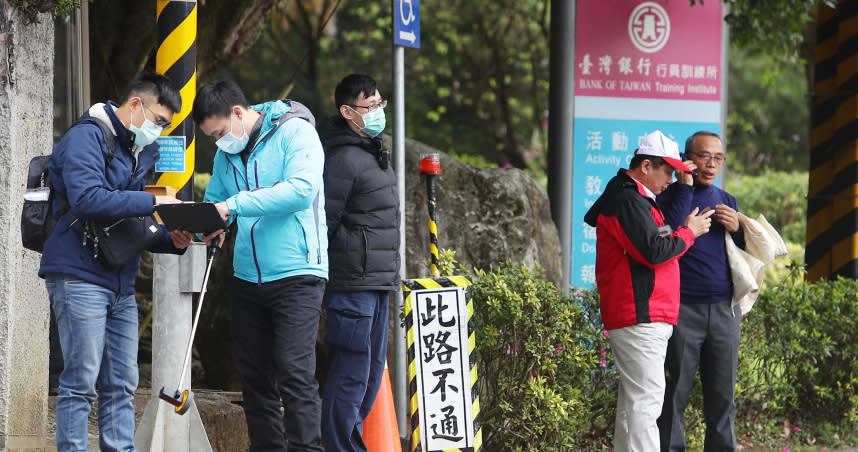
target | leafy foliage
x=548, y=380
x=780, y=196
x=123, y=40
x=768, y=115
x=484, y=78
x=447, y=263
x=478, y=86
x=775, y=27
x=32, y=8
x=535, y=358
x=798, y=356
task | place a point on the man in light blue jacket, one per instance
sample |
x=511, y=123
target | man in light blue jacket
x=267, y=178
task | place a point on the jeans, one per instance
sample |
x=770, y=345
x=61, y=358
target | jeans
x=356, y=342
x=275, y=326
x=98, y=336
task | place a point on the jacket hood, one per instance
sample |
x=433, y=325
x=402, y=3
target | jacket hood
x=106, y=112
x=286, y=109
x=98, y=111
x=334, y=133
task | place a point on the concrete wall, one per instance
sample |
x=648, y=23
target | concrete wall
x=26, y=123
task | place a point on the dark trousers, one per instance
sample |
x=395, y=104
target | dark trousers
x=356, y=343
x=274, y=331
x=706, y=337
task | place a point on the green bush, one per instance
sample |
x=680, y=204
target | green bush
x=537, y=358
x=600, y=394
x=781, y=197
x=548, y=380
x=798, y=353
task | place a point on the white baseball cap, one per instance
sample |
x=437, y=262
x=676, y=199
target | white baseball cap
x=658, y=145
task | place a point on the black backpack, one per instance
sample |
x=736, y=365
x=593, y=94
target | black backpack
x=37, y=219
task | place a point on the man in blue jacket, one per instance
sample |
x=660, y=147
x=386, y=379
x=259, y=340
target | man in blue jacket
x=95, y=308
x=267, y=178
x=362, y=209
x=706, y=337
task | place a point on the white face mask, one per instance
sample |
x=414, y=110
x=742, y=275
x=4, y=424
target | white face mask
x=147, y=133
x=232, y=144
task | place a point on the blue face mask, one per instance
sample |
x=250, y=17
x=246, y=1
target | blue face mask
x=232, y=144
x=147, y=133
x=373, y=122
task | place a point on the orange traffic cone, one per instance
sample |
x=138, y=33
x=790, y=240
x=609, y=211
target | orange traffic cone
x=380, y=430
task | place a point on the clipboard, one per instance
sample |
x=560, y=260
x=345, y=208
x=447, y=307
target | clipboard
x=196, y=217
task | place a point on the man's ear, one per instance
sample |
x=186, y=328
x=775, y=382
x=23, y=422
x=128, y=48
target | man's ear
x=346, y=112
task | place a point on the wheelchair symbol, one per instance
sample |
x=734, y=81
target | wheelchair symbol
x=406, y=18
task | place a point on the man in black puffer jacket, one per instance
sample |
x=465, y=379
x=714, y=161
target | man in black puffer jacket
x=362, y=211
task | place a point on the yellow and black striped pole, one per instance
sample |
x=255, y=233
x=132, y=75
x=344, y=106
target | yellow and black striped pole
x=172, y=311
x=832, y=211
x=430, y=166
x=176, y=57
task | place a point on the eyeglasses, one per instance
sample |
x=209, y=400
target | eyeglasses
x=373, y=107
x=162, y=123
x=705, y=158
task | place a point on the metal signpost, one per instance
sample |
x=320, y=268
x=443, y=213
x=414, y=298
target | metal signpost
x=642, y=66
x=406, y=33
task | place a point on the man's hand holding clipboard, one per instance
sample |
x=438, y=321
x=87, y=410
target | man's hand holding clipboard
x=189, y=218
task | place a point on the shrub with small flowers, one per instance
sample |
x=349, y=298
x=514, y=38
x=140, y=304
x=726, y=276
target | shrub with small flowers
x=601, y=393
x=537, y=361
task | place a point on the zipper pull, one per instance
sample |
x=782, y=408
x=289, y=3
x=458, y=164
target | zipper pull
x=84, y=235
x=308, y=256
x=95, y=247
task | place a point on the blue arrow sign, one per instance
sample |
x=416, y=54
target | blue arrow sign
x=406, y=23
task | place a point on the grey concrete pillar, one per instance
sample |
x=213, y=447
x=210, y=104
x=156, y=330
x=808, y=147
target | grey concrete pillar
x=26, y=130
x=171, y=329
x=174, y=281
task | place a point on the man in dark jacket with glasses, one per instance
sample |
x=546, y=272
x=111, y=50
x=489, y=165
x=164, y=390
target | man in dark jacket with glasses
x=706, y=336
x=361, y=206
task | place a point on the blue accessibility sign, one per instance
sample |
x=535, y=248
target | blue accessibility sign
x=406, y=23
x=172, y=153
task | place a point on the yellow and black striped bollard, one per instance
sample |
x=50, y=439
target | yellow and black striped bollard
x=176, y=57
x=832, y=214
x=430, y=166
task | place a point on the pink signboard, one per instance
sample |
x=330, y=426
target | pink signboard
x=648, y=49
